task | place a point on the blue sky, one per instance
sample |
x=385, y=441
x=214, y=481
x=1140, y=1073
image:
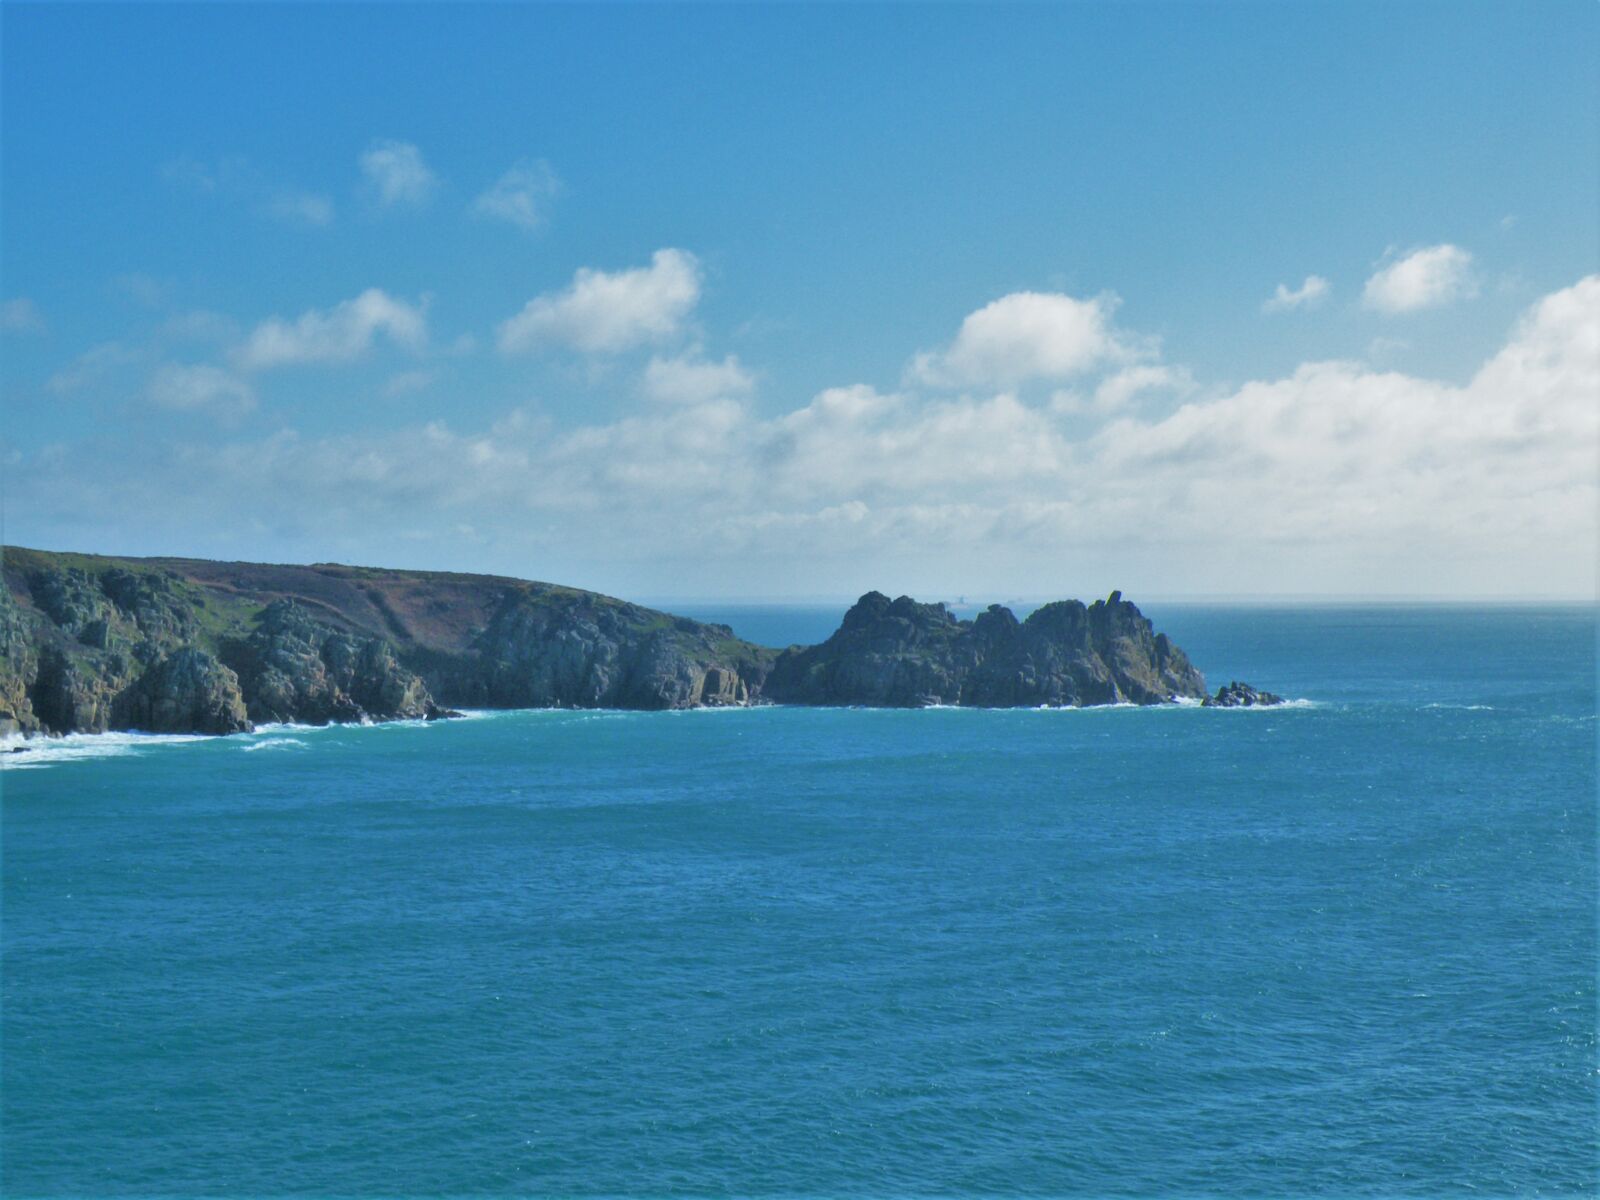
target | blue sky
x=262, y=269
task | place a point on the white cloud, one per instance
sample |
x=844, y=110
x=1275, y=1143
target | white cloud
x=1308, y=295
x=200, y=386
x=396, y=173
x=693, y=380
x=1424, y=278
x=603, y=312
x=1117, y=391
x=21, y=315
x=522, y=195
x=1026, y=336
x=1334, y=477
x=340, y=334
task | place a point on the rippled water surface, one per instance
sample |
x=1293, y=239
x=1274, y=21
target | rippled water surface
x=1346, y=948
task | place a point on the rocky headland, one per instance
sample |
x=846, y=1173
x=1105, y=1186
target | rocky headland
x=90, y=643
x=902, y=654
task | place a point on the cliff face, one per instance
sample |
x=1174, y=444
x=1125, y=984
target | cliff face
x=181, y=645
x=293, y=668
x=579, y=650
x=901, y=654
x=175, y=645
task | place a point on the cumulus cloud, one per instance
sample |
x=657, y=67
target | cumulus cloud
x=21, y=315
x=1119, y=390
x=693, y=380
x=1026, y=336
x=340, y=334
x=1308, y=295
x=602, y=312
x=521, y=196
x=1334, y=476
x=1425, y=278
x=190, y=388
x=396, y=173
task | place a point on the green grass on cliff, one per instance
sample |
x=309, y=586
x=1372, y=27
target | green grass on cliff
x=218, y=615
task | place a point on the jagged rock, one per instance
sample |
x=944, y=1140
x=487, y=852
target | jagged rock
x=73, y=695
x=1241, y=695
x=154, y=603
x=188, y=691
x=294, y=668
x=19, y=667
x=903, y=654
x=578, y=650
x=722, y=687
x=72, y=599
x=93, y=643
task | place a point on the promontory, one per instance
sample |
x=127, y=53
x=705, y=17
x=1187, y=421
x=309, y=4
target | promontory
x=91, y=643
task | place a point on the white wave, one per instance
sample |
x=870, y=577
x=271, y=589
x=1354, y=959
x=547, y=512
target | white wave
x=1463, y=707
x=500, y=714
x=1267, y=708
x=714, y=708
x=44, y=751
x=277, y=743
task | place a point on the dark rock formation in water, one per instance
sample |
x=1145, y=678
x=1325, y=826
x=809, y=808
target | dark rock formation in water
x=901, y=654
x=185, y=645
x=1241, y=695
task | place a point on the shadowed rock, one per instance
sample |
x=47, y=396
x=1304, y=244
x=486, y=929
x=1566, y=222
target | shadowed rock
x=188, y=691
x=1241, y=695
x=902, y=654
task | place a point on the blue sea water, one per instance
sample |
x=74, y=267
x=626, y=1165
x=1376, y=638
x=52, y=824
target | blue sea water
x=1346, y=948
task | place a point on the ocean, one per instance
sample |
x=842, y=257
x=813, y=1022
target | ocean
x=1341, y=948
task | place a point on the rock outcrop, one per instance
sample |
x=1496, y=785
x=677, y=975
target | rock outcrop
x=294, y=668
x=113, y=645
x=19, y=666
x=89, y=643
x=188, y=691
x=1241, y=695
x=578, y=650
x=902, y=654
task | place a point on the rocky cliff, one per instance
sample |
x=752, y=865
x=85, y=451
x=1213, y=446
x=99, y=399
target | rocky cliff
x=898, y=653
x=178, y=645
x=89, y=643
